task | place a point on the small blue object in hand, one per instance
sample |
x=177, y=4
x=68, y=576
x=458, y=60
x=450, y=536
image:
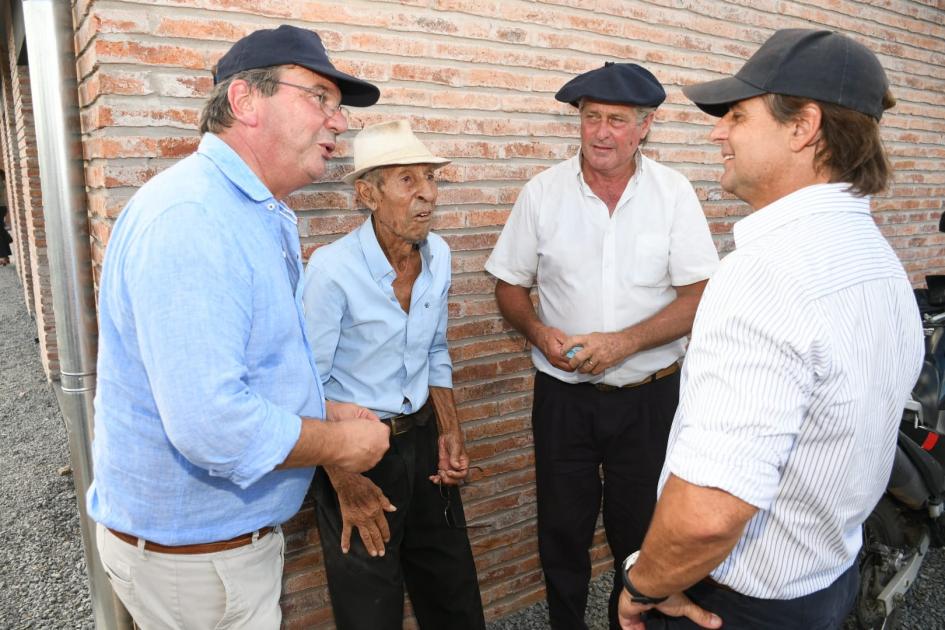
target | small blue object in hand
x=573, y=351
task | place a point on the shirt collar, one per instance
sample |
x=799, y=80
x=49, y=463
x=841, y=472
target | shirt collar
x=377, y=262
x=233, y=167
x=800, y=203
x=575, y=163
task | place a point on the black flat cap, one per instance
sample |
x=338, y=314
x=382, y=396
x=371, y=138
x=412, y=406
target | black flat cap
x=820, y=65
x=292, y=45
x=624, y=83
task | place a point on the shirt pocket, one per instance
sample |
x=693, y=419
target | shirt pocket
x=651, y=261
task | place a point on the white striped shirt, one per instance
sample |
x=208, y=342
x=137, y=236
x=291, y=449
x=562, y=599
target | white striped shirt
x=805, y=345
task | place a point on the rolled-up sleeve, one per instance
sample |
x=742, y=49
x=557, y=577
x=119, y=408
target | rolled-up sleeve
x=749, y=374
x=192, y=304
x=441, y=366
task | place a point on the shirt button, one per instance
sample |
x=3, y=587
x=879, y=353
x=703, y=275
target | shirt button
x=271, y=206
x=426, y=305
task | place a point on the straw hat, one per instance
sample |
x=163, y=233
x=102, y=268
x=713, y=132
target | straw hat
x=388, y=144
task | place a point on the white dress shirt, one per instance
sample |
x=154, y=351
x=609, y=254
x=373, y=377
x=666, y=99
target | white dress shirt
x=602, y=272
x=805, y=345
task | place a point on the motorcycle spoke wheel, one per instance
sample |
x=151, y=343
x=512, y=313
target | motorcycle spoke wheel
x=881, y=530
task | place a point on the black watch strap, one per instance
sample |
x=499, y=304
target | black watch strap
x=636, y=596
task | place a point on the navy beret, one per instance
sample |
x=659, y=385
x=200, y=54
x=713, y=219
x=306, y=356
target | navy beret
x=624, y=83
x=296, y=46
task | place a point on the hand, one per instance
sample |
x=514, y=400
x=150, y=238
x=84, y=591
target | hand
x=677, y=605
x=600, y=351
x=551, y=341
x=336, y=411
x=453, y=463
x=362, y=443
x=362, y=507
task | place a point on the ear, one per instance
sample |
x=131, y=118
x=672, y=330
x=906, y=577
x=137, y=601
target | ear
x=366, y=193
x=244, y=102
x=805, y=128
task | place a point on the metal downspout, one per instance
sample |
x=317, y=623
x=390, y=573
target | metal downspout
x=52, y=68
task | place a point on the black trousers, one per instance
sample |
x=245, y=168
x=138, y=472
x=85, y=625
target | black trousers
x=825, y=609
x=579, y=432
x=433, y=560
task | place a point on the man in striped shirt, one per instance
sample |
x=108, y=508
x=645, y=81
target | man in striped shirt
x=804, y=348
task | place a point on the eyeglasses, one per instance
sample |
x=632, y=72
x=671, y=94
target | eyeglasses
x=445, y=493
x=328, y=104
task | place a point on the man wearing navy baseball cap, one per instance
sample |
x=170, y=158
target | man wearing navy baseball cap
x=807, y=343
x=209, y=411
x=620, y=251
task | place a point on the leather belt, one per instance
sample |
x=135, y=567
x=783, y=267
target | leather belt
x=211, y=547
x=655, y=376
x=404, y=422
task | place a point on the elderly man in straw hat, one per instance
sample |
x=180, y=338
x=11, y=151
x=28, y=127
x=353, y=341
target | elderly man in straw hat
x=375, y=305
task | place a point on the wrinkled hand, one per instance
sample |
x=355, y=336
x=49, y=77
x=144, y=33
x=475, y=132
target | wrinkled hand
x=453, y=462
x=551, y=342
x=600, y=351
x=336, y=411
x=678, y=605
x=362, y=444
x=362, y=507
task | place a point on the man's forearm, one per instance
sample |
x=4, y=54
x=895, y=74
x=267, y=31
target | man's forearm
x=354, y=444
x=444, y=404
x=515, y=304
x=694, y=529
x=670, y=323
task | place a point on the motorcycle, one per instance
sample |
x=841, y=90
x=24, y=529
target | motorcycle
x=908, y=520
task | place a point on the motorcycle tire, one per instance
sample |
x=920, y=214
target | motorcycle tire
x=882, y=527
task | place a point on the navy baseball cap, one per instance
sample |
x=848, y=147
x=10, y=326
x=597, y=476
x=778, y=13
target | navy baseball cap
x=624, y=83
x=820, y=65
x=292, y=45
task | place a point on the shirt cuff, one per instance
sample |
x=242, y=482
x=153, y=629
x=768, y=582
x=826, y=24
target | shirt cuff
x=715, y=460
x=276, y=438
x=505, y=275
x=441, y=374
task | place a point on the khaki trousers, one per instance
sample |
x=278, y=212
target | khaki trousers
x=233, y=589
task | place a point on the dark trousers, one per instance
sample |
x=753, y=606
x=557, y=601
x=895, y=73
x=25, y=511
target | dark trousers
x=825, y=609
x=433, y=560
x=579, y=432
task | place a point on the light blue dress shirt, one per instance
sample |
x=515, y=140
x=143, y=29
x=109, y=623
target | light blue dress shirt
x=368, y=350
x=204, y=368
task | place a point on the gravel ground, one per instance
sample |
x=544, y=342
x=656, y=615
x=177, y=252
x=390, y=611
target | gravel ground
x=42, y=568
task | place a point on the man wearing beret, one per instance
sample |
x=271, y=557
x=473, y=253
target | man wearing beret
x=376, y=310
x=807, y=343
x=620, y=252
x=209, y=405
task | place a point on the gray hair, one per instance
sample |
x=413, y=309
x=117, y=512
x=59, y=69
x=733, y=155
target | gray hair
x=642, y=112
x=217, y=115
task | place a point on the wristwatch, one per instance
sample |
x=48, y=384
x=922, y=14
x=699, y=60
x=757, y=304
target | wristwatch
x=636, y=596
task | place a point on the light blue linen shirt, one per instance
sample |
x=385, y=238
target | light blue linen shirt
x=368, y=350
x=204, y=368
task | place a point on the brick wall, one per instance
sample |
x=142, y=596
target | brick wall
x=476, y=78
x=27, y=209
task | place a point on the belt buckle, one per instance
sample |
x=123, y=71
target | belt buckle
x=398, y=426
